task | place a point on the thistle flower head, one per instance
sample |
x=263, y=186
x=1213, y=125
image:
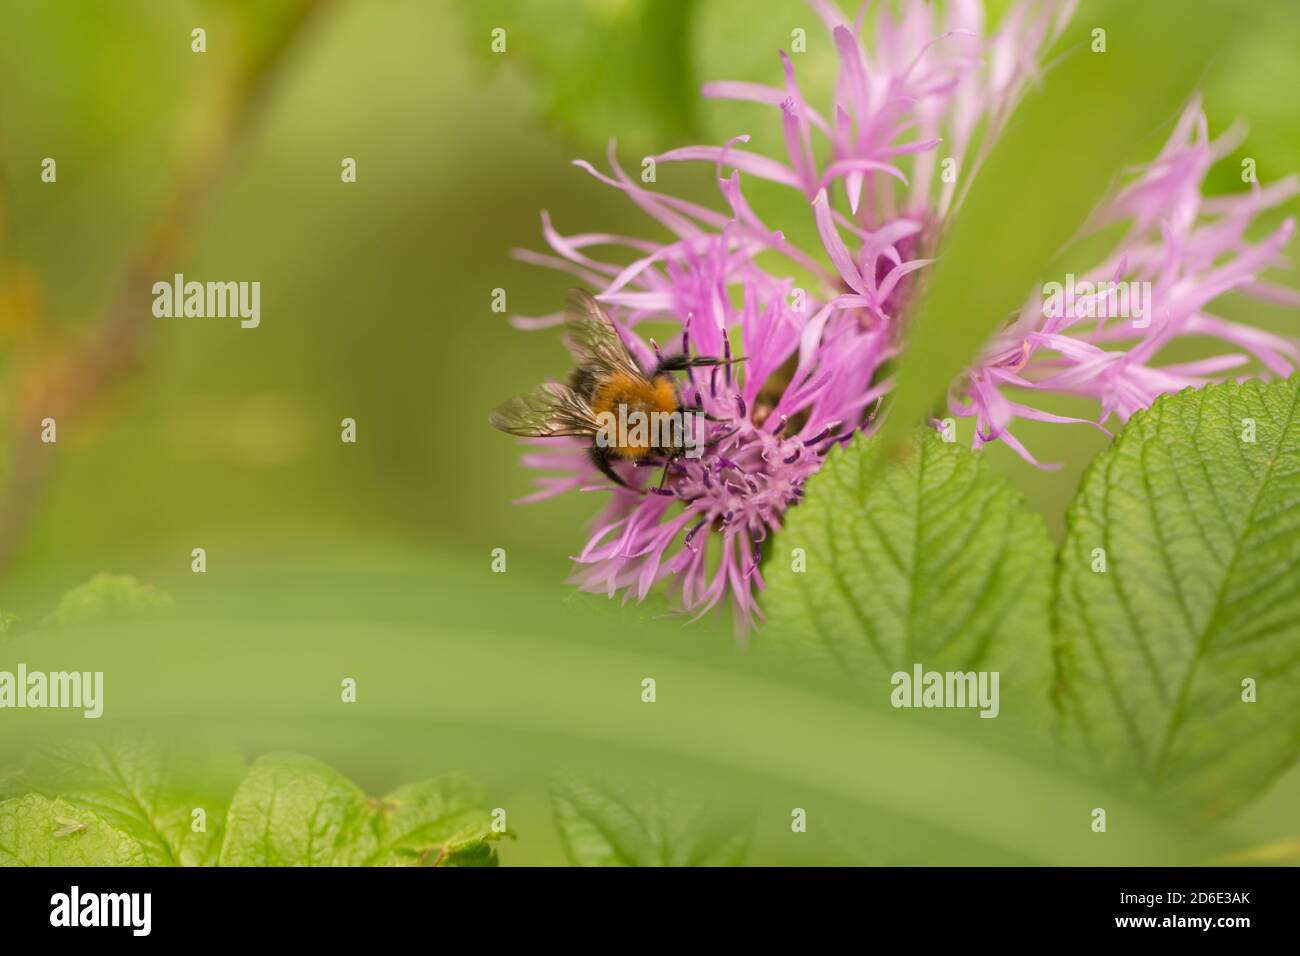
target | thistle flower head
x=1182, y=252
x=769, y=421
x=816, y=358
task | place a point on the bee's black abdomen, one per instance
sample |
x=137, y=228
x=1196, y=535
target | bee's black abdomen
x=583, y=381
x=603, y=459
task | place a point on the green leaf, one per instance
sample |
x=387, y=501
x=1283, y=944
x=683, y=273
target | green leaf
x=1095, y=115
x=106, y=596
x=604, y=825
x=756, y=727
x=36, y=831
x=617, y=70
x=440, y=822
x=146, y=790
x=932, y=560
x=13, y=783
x=1201, y=538
x=294, y=810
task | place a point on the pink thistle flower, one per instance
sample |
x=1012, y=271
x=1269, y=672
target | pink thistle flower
x=801, y=388
x=817, y=373
x=939, y=83
x=1191, y=251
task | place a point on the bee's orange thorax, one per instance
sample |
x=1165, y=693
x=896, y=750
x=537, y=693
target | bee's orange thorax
x=635, y=394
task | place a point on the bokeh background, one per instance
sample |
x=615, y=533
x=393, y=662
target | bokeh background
x=372, y=560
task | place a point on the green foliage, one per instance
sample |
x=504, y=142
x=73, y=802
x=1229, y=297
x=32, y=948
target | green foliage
x=1057, y=163
x=619, y=70
x=37, y=831
x=1177, y=581
x=1243, y=85
x=1201, y=532
x=106, y=595
x=293, y=810
x=144, y=790
x=601, y=824
x=131, y=801
x=948, y=788
x=139, y=798
x=934, y=560
x=438, y=822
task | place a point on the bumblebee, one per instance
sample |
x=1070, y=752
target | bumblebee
x=606, y=381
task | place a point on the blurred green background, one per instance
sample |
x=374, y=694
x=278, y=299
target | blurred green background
x=326, y=558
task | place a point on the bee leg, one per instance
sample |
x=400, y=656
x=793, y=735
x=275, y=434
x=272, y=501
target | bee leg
x=600, y=457
x=723, y=437
x=698, y=409
x=663, y=479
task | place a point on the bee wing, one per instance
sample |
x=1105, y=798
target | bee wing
x=593, y=339
x=550, y=410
